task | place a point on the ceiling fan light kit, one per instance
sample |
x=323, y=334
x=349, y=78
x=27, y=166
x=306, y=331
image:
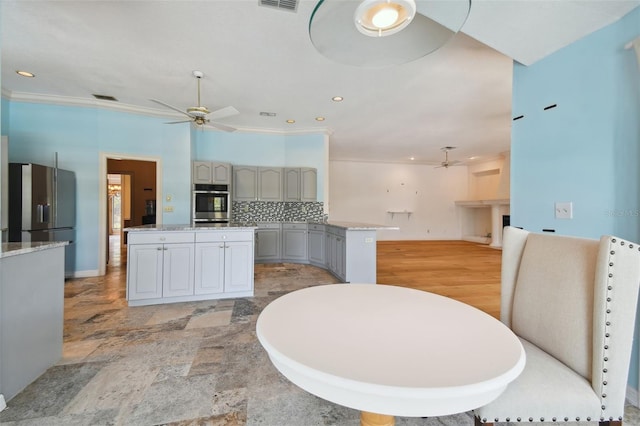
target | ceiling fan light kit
x=380, y=33
x=199, y=114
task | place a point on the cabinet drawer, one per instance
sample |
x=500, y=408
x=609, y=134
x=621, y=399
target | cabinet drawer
x=220, y=236
x=316, y=227
x=294, y=226
x=268, y=225
x=159, y=237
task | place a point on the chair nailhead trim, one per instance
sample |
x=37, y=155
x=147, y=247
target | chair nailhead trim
x=588, y=419
x=566, y=419
x=519, y=419
x=553, y=419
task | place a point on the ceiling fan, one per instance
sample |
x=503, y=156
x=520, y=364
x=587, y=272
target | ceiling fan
x=200, y=114
x=446, y=163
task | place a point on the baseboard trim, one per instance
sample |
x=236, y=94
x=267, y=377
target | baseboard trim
x=633, y=396
x=84, y=274
x=3, y=404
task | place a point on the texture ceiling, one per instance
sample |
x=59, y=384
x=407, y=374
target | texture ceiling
x=260, y=59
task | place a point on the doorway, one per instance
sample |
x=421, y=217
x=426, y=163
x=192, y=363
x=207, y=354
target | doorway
x=128, y=197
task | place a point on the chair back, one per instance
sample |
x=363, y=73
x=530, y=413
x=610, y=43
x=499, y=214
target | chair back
x=576, y=299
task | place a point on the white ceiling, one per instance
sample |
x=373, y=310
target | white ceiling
x=261, y=59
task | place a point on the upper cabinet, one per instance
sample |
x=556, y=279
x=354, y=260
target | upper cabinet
x=300, y=184
x=251, y=183
x=211, y=172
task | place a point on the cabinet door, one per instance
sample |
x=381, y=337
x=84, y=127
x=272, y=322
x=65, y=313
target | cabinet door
x=269, y=184
x=316, y=247
x=209, y=268
x=294, y=244
x=238, y=266
x=268, y=244
x=221, y=173
x=144, y=277
x=177, y=273
x=202, y=172
x=245, y=183
x=291, y=184
x=341, y=250
x=308, y=184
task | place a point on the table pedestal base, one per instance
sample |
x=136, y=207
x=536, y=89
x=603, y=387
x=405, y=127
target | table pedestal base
x=373, y=419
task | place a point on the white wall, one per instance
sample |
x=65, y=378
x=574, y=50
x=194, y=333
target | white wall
x=364, y=192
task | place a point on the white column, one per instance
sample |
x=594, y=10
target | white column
x=496, y=226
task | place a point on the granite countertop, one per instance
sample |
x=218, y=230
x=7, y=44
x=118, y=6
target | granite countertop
x=350, y=226
x=240, y=226
x=15, y=249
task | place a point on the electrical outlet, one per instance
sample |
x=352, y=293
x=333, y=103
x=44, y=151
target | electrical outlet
x=168, y=209
x=564, y=210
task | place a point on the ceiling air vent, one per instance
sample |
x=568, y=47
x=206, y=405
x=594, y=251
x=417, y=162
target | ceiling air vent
x=290, y=5
x=105, y=98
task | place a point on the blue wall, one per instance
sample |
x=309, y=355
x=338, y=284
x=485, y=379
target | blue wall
x=37, y=131
x=587, y=149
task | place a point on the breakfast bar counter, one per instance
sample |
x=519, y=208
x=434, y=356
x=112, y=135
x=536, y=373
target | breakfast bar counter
x=31, y=312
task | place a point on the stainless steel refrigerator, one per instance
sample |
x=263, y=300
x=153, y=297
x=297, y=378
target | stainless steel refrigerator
x=42, y=206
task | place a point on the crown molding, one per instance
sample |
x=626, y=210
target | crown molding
x=134, y=109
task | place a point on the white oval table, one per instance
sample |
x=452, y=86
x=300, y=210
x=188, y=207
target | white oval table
x=389, y=351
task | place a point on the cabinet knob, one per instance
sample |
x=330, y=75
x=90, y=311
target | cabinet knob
x=222, y=246
x=159, y=249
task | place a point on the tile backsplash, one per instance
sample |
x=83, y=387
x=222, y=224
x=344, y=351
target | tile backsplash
x=276, y=211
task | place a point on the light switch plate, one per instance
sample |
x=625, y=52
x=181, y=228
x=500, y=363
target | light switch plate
x=564, y=210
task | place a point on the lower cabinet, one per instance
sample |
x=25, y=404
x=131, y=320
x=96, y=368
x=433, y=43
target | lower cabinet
x=316, y=249
x=223, y=267
x=159, y=270
x=268, y=247
x=336, y=251
x=163, y=268
x=294, y=241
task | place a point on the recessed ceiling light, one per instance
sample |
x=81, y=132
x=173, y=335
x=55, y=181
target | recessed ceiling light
x=379, y=18
x=319, y=118
x=291, y=121
x=472, y=158
x=337, y=98
x=412, y=158
x=25, y=73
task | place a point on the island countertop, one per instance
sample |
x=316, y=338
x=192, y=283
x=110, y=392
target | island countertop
x=209, y=227
x=15, y=249
x=247, y=226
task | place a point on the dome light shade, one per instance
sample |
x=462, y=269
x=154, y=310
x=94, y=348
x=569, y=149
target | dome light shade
x=377, y=18
x=354, y=32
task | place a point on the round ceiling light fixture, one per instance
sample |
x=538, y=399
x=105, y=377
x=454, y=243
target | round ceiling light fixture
x=379, y=18
x=353, y=32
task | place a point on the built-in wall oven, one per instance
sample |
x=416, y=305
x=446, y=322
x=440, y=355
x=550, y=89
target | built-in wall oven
x=211, y=204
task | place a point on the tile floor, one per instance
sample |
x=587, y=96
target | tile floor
x=181, y=364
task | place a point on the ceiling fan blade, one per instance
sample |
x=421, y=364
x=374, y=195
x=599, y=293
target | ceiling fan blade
x=222, y=127
x=176, y=122
x=171, y=107
x=223, y=112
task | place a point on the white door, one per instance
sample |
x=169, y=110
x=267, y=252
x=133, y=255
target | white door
x=144, y=277
x=178, y=264
x=209, y=268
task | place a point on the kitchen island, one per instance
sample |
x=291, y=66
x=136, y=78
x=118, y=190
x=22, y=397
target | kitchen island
x=31, y=312
x=180, y=263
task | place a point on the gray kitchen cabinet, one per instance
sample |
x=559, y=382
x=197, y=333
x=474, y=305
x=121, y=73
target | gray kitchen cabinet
x=294, y=241
x=269, y=184
x=308, y=184
x=336, y=251
x=300, y=184
x=268, y=247
x=251, y=183
x=316, y=243
x=211, y=172
x=245, y=183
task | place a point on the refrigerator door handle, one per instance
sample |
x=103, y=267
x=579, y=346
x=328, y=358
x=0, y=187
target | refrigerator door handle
x=43, y=213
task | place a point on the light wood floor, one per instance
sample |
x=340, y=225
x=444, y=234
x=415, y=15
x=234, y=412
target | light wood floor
x=464, y=271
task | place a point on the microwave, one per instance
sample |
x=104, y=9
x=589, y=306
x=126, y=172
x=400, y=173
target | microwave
x=211, y=203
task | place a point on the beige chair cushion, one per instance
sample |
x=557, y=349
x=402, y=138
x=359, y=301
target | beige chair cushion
x=553, y=298
x=545, y=389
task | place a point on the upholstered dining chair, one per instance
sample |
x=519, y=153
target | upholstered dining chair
x=572, y=302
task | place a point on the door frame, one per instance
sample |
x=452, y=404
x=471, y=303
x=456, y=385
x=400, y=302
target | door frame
x=102, y=198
